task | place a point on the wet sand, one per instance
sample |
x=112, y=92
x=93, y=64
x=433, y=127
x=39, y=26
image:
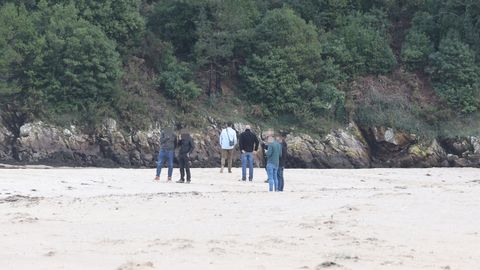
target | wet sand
x=69, y=218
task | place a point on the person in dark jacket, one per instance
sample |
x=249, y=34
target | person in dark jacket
x=168, y=142
x=248, y=143
x=264, y=153
x=186, y=147
x=281, y=163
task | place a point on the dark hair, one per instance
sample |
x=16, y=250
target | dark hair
x=229, y=124
x=185, y=135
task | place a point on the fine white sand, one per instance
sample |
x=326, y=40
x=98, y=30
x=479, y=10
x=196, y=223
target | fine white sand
x=326, y=219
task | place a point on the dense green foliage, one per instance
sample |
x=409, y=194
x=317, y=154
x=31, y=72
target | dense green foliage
x=360, y=45
x=286, y=72
x=455, y=74
x=416, y=50
x=273, y=58
x=453, y=28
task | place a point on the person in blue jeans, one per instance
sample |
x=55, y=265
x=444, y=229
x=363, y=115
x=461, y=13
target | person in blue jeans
x=168, y=142
x=281, y=164
x=274, y=153
x=248, y=143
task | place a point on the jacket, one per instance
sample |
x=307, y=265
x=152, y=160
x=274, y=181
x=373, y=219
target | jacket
x=186, y=145
x=248, y=141
x=274, y=153
x=283, y=158
x=168, y=140
x=228, y=134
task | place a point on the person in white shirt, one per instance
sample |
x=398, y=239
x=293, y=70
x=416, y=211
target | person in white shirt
x=228, y=140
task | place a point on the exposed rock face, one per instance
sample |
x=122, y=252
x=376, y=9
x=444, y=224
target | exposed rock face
x=343, y=148
x=42, y=143
x=5, y=146
x=349, y=147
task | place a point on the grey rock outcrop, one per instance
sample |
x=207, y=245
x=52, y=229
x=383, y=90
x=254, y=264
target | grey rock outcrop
x=349, y=147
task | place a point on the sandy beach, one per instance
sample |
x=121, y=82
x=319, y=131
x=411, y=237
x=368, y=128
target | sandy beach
x=69, y=218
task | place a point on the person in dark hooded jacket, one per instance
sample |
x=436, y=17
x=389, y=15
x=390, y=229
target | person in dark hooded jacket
x=186, y=147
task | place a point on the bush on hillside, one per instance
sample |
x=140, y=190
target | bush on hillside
x=176, y=79
x=360, y=45
x=455, y=75
x=416, y=50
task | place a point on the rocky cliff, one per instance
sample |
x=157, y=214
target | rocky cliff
x=349, y=147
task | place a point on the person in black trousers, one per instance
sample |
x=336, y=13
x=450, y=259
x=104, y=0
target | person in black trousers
x=186, y=147
x=282, y=161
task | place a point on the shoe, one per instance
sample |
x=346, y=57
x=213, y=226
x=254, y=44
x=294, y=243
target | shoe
x=188, y=181
x=180, y=181
x=229, y=171
x=266, y=181
x=250, y=180
x=169, y=179
x=157, y=178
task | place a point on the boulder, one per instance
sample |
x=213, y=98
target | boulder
x=390, y=140
x=427, y=155
x=39, y=142
x=342, y=148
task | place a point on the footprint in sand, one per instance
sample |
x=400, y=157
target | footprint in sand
x=347, y=258
x=50, y=254
x=135, y=266
x=327, y=264
x=218, y=251
x=181, y=243
x=23, y=218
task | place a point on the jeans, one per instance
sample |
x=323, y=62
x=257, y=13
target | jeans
x=280, y=178
x=247, y=157
x=184, y=164
x=272, y=177
x=162, y=155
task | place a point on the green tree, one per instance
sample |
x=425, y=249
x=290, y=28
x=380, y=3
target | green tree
x=360, y=45
x=213, y=50
x=287, y=73
x=176, y=79
x=416, y=50
x=294, y=40
x=271, y=82
x=323, y=13
x=225, y=33
x=119, y=19
x=79, y=64
x=455, y=74
x=20, y=47
x=174, y=21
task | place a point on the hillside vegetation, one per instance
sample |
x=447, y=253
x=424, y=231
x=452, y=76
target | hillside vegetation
x=312, y=64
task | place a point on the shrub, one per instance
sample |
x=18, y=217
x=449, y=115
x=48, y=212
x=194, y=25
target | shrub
x=176, y=79
x=360, y=45
x=416, y=50
x=455, y=74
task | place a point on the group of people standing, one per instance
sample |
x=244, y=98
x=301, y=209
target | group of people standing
x=272, y=153
x=168, y=142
